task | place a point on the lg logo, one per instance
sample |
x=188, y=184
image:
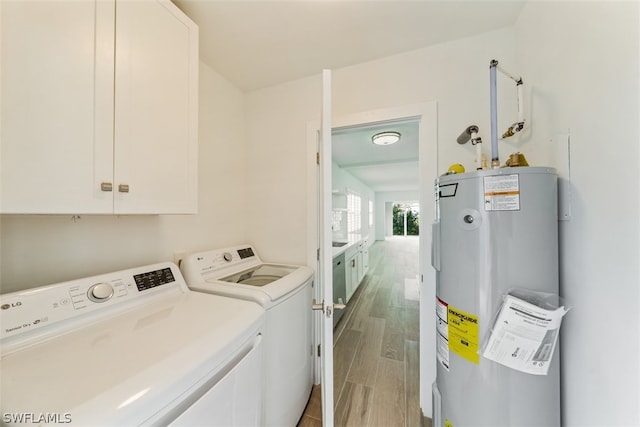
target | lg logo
x=8, y=306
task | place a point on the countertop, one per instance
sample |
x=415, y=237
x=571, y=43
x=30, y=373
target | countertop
x=352, y=240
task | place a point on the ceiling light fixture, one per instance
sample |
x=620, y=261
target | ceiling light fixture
x=385, y=138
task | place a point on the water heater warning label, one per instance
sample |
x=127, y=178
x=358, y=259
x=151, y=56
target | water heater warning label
x=502, y=193
x=457, y=331
x=442, y=335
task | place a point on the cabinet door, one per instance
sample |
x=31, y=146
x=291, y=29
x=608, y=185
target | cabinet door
x=352, y=276
x=365, y=259
x=155, y=109
x=339, y=286
x=57, y=112
x=360, y=263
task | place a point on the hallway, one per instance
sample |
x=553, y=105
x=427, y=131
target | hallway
x=376, y=353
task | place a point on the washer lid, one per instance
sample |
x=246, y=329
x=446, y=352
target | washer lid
x=266, y=287
x=260, y=275
x=124, y=369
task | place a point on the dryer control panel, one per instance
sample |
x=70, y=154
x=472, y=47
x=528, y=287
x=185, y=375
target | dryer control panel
x=37, y=309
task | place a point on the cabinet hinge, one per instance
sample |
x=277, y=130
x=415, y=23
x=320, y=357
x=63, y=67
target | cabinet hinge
x=318, y=254
x=319, y=351
x=317, y=157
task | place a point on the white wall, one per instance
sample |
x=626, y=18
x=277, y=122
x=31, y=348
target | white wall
x=43, y=249
x=580, y=60
x=455, y=74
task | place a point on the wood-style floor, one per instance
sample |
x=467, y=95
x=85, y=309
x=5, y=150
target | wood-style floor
x=376, y=353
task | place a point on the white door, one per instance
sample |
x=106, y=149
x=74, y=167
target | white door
x=326, y=257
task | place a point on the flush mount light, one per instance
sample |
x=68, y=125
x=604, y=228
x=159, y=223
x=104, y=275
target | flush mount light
x=385, y=138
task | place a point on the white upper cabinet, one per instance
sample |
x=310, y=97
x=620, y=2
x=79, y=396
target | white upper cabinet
x=99, y=107
x=156, y=118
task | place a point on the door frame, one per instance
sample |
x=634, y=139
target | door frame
x=428, y=163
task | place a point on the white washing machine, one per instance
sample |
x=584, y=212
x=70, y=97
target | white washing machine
x=130, y=348
x=285, y=293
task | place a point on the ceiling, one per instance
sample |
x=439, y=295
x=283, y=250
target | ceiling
x=383, y=168
x=260, y=43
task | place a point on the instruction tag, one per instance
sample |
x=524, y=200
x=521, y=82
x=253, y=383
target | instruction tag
x=524, y=336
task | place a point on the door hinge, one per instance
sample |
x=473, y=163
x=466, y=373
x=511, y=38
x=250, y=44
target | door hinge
x=317, y=158
x=319, y=355
x=318, y=254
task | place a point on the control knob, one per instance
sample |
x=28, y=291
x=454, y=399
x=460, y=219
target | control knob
x=227, y=256
x=100, y=292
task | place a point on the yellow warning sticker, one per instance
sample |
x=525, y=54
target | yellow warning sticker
x=463, y=334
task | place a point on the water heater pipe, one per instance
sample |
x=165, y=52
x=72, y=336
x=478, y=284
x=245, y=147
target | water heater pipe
x=508, y=74
x=477, y=141
x=468, y=134
x=471, y=134
x=495, y=158
x=518, y=125
x=520, y=98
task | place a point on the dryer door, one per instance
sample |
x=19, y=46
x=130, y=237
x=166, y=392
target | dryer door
x=231, y=397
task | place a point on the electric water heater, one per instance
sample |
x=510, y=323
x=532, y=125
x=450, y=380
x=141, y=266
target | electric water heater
x=496, y=231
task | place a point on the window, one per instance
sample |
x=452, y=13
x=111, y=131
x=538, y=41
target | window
x=370, y=214
x=354, y=208
x=337, y=222
x=406, y=219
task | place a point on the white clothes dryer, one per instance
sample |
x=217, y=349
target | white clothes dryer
x=285, y=292
x=130, y=348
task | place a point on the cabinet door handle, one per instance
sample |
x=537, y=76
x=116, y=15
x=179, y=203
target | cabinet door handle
x=106, y=186
x=123, y=188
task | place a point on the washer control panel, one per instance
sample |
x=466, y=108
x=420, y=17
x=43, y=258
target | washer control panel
x=37, y=308
x=100, y=292
x=218, y=262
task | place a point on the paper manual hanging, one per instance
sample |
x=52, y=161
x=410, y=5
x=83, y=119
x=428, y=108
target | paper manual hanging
x=524, y=335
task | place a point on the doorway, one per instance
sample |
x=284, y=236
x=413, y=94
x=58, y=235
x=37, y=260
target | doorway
x=376, y=342
x=426, y=117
